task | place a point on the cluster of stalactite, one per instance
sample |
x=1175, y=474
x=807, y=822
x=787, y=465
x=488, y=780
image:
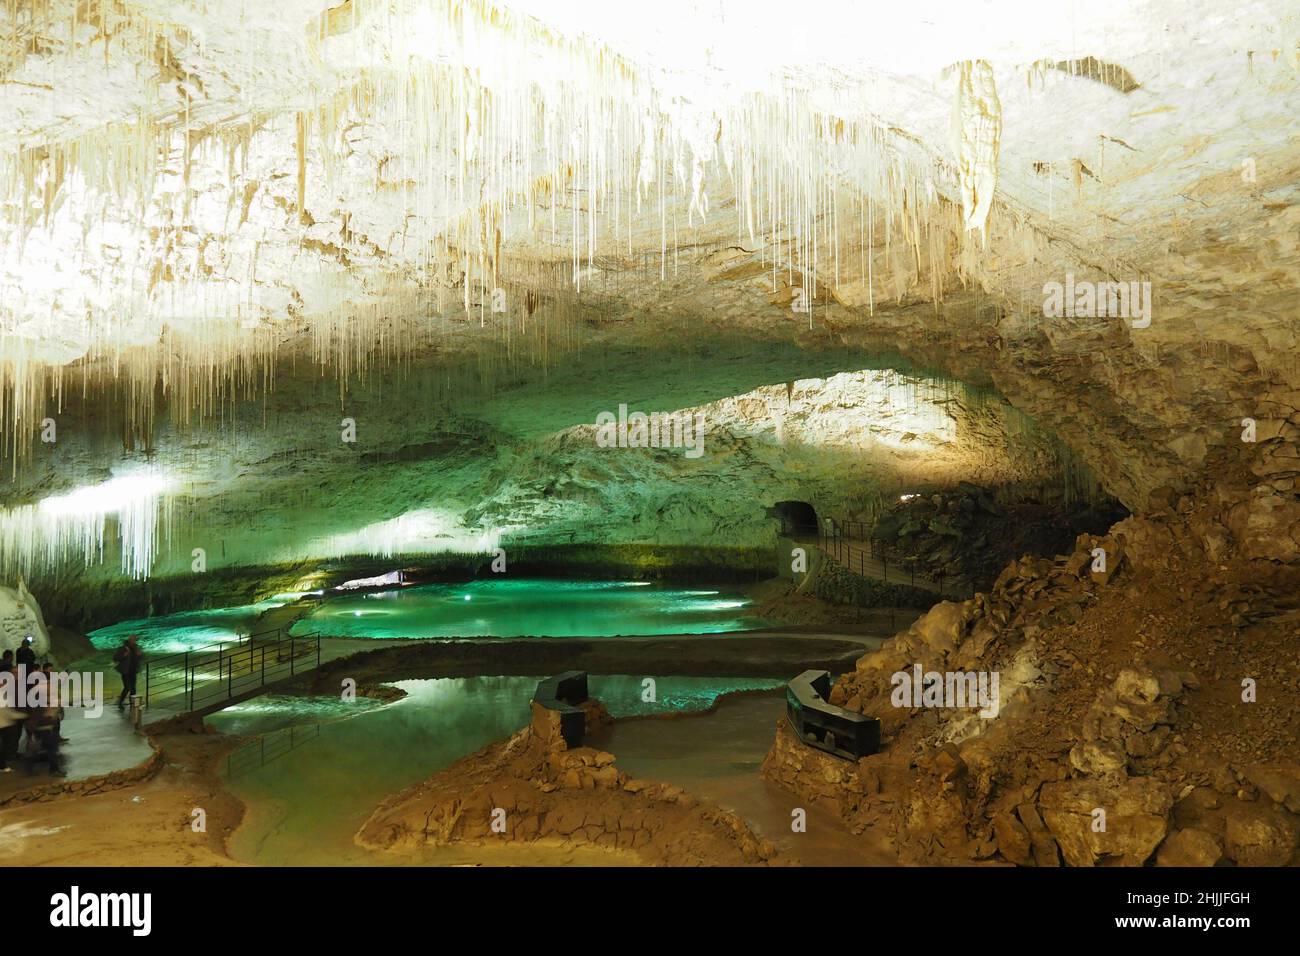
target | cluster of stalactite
x=514, y=164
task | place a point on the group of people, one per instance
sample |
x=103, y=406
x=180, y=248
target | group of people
x=41, y=723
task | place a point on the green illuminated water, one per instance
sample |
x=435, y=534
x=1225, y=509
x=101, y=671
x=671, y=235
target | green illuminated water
x=488, y=608
x=305, y=804
x=523, y=607
x=187, y=630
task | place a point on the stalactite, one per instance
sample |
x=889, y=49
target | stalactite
x=518, y=158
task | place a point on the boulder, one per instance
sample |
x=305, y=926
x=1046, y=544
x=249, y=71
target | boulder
x=941, y=629
x=1281, y=782
x=1012, y=839
x=1128, y=725
x=1189, y=847
x=1097, y=758
x=1136, y=687
x=1043, y=846
x=1259, y=835
x=1135, y=821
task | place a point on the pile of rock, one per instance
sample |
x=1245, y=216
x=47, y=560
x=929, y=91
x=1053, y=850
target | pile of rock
x=1122, y=736
x=1130, y=727
x=533, y=788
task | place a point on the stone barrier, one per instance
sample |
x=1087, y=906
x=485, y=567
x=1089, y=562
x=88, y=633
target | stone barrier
x=560, y=695
x=823, y=725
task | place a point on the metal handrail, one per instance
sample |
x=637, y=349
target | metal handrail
x=216, y=647
x=256, y=754
x=220, y=672
x=835, y=542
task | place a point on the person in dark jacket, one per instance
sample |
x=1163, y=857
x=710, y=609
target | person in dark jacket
x=48, y=670
x=11, y=722
x=45, y=722
x=27, y=653
x=128, y=658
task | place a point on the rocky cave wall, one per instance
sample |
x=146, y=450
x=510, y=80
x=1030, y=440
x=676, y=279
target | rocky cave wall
x=436, y=470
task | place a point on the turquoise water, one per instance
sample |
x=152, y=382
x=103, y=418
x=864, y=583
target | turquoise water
x=488, y=608
x=306, y=802
x=187, y=630
x=520, y=608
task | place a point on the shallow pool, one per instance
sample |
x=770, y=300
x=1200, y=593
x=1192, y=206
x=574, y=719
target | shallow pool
x=536, y=607
x=324, y=765
x=186, y=630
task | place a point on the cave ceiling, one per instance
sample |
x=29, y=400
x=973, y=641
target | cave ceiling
x=228, y=226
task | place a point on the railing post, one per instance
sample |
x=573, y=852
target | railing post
x=291, y=657
x=263, y=665
x=188, y=681
x=146, y=683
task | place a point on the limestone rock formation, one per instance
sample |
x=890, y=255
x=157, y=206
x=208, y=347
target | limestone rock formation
x=233, y=260
x=534, y=788
x=1131, y=728
x=20, y=617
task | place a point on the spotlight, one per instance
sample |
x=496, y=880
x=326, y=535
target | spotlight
x=109, y=496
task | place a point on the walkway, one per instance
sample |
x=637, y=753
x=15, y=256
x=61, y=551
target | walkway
x=99, y=742
x=210, y=678
x=849, y=545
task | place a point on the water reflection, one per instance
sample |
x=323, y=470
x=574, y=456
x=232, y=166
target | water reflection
x=305, y=805
x=522, y=607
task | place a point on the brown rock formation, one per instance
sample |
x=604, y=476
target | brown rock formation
x=532, y=788
x=1146, y=713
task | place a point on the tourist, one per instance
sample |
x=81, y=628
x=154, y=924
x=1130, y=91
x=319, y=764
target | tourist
x=51, y=688
x=11, y=723
x=27, y=653
x=128, y=658
x=46, y=721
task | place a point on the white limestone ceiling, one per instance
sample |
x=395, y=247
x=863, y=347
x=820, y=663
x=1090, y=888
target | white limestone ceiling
x=189, y=191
